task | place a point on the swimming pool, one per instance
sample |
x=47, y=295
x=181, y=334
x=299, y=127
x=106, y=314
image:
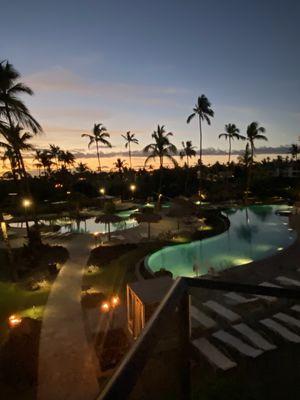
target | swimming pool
x=255, y=232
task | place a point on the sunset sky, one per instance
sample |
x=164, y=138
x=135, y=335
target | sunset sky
x=134, y=64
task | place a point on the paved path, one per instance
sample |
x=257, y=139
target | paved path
x=67, y=364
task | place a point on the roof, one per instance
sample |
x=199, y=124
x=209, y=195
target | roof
x=151, y=291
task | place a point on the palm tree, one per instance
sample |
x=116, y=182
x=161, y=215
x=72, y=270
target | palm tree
x=188, y=151
x=204, y=112
x=10, y=155
x=129, y=138
x=82, y=168
x=55, y=150
x=99, y=135
x=231, y=133
x=44, y=159
x=295, y=150
x=67, y=158
x=12, y=108
x=161, y=148
x=120, y=165
x=254, y=133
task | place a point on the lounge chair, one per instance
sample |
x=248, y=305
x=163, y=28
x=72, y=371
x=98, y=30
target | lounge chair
x=287, y=281
x=213, y=355
x=238, y=299
x=269, y=299
x=296, y=307
x=288, y=319
x=254, y=337
x=202, y=318
x=222, y=311
x=281, y=330
x=237, y=344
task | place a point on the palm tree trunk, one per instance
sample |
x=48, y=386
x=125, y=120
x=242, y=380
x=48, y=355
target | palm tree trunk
x=229, y=152
x=129, y=150
x=200, y=153
x=109, y=231
x=98, y=156
x=148, y=230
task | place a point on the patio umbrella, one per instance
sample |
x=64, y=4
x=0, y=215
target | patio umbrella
x=147, y=217
x=108, y=219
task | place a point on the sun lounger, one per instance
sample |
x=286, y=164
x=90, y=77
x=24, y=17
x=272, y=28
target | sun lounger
x=288, y=319
x=254, y=337
x=280, y=330
x=237, y=344
x=222, y=311
x=269, y=299
x=238, y=299
x=296, y=307
x=213, y=355
x=202, y=318
x=287, y=281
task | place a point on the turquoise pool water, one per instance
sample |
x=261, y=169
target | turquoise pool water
x=255, y=232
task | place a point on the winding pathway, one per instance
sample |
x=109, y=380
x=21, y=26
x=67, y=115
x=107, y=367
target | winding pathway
x=67, y=363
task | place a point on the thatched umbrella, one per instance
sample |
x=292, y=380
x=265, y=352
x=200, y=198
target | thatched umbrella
x=147, y=217
x=108, y=219
x=182, y=208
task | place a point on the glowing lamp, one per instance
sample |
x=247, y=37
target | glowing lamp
x=105, y=307
x=26, y=203
x=115, y=301
x=102, y=191
x=133, y=187
x=14, y=321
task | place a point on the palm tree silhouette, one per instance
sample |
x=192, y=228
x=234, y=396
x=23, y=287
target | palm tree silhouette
x=67, y=158
x=12, y=108
x=120, y=165
x=295, y=150
x=254, y=133
x=129, y=138
x=99, y=135
x=188, y=151
x=231, y=133
x=44, y=159
x=161, y=148
x=55, y=150
x=203, y=110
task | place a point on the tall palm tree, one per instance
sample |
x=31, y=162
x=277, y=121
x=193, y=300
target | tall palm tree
x=204, y=111
x=129, y=138
x=161, y=147
x=82, y=168
x=188, y=151
x=99, y=136
x=10, y=155
x=231, y=133
x=12, y=108
x=254, y=133
x=295, y=150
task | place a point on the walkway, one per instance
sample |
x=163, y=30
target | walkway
x=67, y=364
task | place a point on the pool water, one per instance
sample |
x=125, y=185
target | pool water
x=255, y=232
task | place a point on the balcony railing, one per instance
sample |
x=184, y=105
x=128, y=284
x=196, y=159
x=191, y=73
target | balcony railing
x=126, y=375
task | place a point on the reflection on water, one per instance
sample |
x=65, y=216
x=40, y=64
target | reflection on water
x=255, y=232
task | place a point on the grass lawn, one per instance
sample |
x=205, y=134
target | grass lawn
x=114, y=275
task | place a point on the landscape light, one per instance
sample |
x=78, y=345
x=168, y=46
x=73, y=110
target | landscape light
x=14, y=321
x=26, y=203
x=102, y=191
x=115, y=301
x=105, y=307
x=133, y=187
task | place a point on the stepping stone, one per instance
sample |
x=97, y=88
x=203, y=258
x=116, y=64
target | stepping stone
x=202, y=318
x=213, y=354
x=296, y=307
x=280, y=330
x=287, y=281
x=237, y=344
x=238, y=299
x=288, y=319
x=269, y=299
x=254, y=337
x=222, y=311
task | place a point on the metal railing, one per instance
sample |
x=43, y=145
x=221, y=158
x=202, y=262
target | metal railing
x=126, y=375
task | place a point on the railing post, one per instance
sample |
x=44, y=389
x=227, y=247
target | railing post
x=184, y=346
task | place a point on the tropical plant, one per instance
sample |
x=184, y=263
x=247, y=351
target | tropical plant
x=231, y=133
x=120, y=165
x=82, y=168
x=66, y=158
x=295, y=150
x=10, y=155
x=188, y=151
x=99, y=136
x=44, y=159
x=129, y=138
x=204, y=112
x=55, y=150
x=12, y=109
x=161, y=148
